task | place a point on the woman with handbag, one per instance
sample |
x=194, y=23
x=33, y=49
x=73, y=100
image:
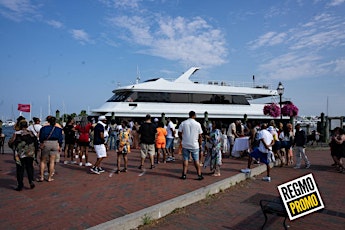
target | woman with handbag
x=51, y=141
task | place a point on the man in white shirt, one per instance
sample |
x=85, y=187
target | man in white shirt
x=190, y=133
x=263, y=152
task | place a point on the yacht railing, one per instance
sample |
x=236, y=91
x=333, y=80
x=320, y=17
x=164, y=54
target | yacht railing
x=262, y=85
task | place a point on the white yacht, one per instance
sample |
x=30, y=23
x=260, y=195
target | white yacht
x=9, y=123
x=177, y=97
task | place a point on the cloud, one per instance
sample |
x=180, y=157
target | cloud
x=292, y=66
x=17, y=10
x=336, y=2
x=189, y=41
x=121, y=4
x=339, y=66
x=55, y=24
x=268, y=39
x=305, y=50
x=81, y=36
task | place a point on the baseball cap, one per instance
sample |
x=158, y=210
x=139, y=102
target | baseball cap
x=102, y=118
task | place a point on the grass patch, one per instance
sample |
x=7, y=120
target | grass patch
x=147, y=220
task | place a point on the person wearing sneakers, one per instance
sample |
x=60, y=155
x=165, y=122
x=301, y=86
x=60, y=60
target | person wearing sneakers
x=99, y=144
x=190, y=134
x=300, y=141
x=263, y=151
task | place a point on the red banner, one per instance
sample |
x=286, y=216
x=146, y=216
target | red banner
x=24, y=107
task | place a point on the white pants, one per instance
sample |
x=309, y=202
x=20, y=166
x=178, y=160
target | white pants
x=300, y=153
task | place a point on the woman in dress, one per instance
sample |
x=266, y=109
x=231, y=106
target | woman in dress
x=124, y=147
x=214, y=154
x=50, y=143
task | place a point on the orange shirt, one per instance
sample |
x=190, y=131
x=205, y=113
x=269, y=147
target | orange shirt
x=161, y=134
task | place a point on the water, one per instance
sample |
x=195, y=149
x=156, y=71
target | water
x=8, y=131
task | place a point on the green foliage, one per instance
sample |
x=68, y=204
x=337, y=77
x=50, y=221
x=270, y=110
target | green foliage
x=146, y=219
x=83, y=113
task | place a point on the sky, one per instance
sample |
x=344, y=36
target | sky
x=69, y=55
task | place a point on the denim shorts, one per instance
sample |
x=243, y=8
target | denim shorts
x=187, y=152
x=169, y=143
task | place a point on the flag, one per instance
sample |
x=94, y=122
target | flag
x=24, y=107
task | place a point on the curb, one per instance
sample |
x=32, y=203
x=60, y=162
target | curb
x=135, y=219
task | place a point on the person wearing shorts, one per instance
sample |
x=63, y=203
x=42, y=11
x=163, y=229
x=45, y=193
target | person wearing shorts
x=51, y=138
x=99, y=145
x=161, y=141
x=190, y=134
x=263, y=152
x=83, y=129
x=147, y=132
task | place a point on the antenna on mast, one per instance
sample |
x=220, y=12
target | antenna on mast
x=138, y=76
x=48, y=105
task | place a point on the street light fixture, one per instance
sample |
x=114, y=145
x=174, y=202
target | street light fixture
x=280, y=91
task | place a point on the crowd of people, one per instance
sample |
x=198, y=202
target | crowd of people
x=204, y=144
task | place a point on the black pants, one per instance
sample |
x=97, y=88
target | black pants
x=27, y=164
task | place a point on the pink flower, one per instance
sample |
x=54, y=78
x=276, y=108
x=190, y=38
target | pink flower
x=290, y=110
x=272, y=110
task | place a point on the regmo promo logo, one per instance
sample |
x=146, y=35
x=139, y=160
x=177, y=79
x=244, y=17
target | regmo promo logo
x=301, y=196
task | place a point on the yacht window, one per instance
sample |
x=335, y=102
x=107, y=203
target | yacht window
x=178, y=98
x=120, y=96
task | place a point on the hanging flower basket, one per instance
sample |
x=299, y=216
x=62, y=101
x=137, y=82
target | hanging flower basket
x=272, y=110
x=290, y=110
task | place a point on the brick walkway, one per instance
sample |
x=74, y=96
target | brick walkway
x=79, y=200
x=238, y=207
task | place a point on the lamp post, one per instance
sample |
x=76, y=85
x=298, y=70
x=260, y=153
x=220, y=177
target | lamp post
x=280, y=91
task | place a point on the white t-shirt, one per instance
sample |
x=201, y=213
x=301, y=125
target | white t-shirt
x=190, y=129
x=267, y=138
x=232, y=127
x=35, y=129
x=170, y=134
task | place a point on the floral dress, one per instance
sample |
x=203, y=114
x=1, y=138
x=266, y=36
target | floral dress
x=214, y=155
x=124, y=143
